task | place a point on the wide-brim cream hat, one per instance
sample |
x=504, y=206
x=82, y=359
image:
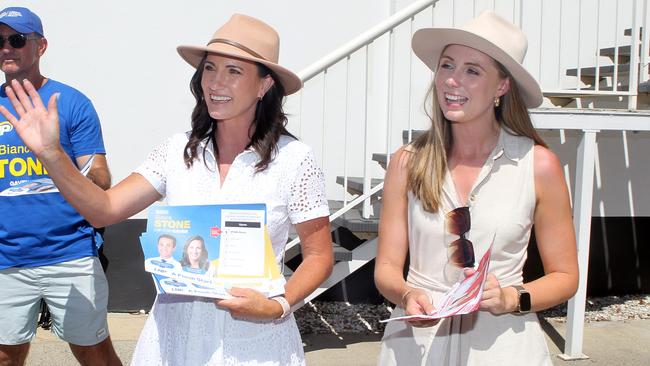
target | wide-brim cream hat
x=490, y=34
x=246, y=38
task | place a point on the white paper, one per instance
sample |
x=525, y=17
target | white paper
x=241, y=252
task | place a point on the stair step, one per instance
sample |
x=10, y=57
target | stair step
x=610, y=51
x=355, y=222
x=381, y=159
x=341, y=254
x=355, y=184
x=583, y=92
x=604, y=71
x=570, y=94
x=345, y=238
x=644, y=87
x=414, y=135
x=342, y=244
x=628, y=32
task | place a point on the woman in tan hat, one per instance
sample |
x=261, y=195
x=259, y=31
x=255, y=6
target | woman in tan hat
x=238, y=151
x=481, y=176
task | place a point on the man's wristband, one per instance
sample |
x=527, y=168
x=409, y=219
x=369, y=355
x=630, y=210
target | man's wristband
x=286, y=308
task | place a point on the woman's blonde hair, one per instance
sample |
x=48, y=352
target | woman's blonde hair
x=427, y=166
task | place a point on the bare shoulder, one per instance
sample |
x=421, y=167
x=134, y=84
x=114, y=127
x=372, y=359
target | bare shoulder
x=549, y=176
x=397, y=171
x=400, y=158
x=547, y=164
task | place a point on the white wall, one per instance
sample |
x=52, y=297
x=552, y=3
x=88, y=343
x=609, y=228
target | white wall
x=122, y=54
x=622, y=169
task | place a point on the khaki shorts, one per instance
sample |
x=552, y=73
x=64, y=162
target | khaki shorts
x=76, y=293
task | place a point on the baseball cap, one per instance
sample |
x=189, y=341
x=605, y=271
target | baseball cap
x=22, y=20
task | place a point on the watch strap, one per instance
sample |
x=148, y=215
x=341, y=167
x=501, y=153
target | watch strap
x=521, y=291
x=286, y=307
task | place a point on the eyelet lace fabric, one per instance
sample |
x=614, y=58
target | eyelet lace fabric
x=184, y=330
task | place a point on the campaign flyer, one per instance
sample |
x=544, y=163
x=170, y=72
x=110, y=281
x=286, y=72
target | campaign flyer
x=463, y=297
x=205, y=250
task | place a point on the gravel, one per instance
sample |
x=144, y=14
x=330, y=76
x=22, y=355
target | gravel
x=341, y=317
x=319, y=317
x=610, y=308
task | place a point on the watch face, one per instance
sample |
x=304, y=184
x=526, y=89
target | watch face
x=524, y=302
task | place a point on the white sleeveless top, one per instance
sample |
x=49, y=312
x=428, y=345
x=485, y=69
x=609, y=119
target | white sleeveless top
x=502, y=205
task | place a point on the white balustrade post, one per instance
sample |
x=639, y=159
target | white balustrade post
x=645, y=38
x=583, y=197
x=635, y=48
x=366, y=209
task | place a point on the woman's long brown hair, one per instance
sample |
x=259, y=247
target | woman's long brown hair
x=269, y=122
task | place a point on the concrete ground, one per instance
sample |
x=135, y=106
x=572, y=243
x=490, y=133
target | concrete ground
x=606, y=343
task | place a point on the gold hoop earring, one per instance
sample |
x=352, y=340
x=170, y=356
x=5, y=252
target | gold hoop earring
x=497, y=102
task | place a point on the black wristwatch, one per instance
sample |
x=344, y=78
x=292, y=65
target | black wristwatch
x=524, y=305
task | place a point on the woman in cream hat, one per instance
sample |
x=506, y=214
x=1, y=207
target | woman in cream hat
x=480, y=178
x=238, y=151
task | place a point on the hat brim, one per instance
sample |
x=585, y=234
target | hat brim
x=429, y=43
x=19, y=28
x=194, y=54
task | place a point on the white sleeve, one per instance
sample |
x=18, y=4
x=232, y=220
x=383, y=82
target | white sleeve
x=307, y=198
x=153, y=169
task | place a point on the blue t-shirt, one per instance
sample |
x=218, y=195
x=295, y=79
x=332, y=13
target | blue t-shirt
x=37, y=228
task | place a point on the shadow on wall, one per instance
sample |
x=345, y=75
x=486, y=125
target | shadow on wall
x=619, y=257
x=130, y=287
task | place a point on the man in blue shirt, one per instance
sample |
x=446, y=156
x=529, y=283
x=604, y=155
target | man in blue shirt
x=47, y=250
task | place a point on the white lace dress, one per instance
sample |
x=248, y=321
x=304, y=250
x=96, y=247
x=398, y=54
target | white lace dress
x=193, y=331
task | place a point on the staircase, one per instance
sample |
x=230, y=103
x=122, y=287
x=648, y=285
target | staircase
x=354, y=240
x=614, y=77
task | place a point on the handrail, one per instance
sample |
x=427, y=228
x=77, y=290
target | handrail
x=345, y=51
x=342, y=210
x=364, y=39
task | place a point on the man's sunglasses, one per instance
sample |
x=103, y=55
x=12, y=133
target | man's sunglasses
x=461, y=250
x=16, y=40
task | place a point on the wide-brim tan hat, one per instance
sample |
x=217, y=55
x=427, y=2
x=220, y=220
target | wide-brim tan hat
x=246, y=38
x=490, y=34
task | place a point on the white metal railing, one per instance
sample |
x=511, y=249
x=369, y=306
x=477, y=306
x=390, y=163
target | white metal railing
x=350, y=205
x=600, y=24
x=364, y=39
x=344, y=54
x=644, y=73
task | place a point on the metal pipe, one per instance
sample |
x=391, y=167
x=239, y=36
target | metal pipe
x=364, y=39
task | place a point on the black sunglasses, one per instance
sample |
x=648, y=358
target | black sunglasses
x=16, y=40
x=461, y=250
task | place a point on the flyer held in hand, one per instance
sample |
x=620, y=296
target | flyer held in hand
x=463, y=297
x=205, y=250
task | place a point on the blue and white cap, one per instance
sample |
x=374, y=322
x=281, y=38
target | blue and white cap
x=22, y=20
